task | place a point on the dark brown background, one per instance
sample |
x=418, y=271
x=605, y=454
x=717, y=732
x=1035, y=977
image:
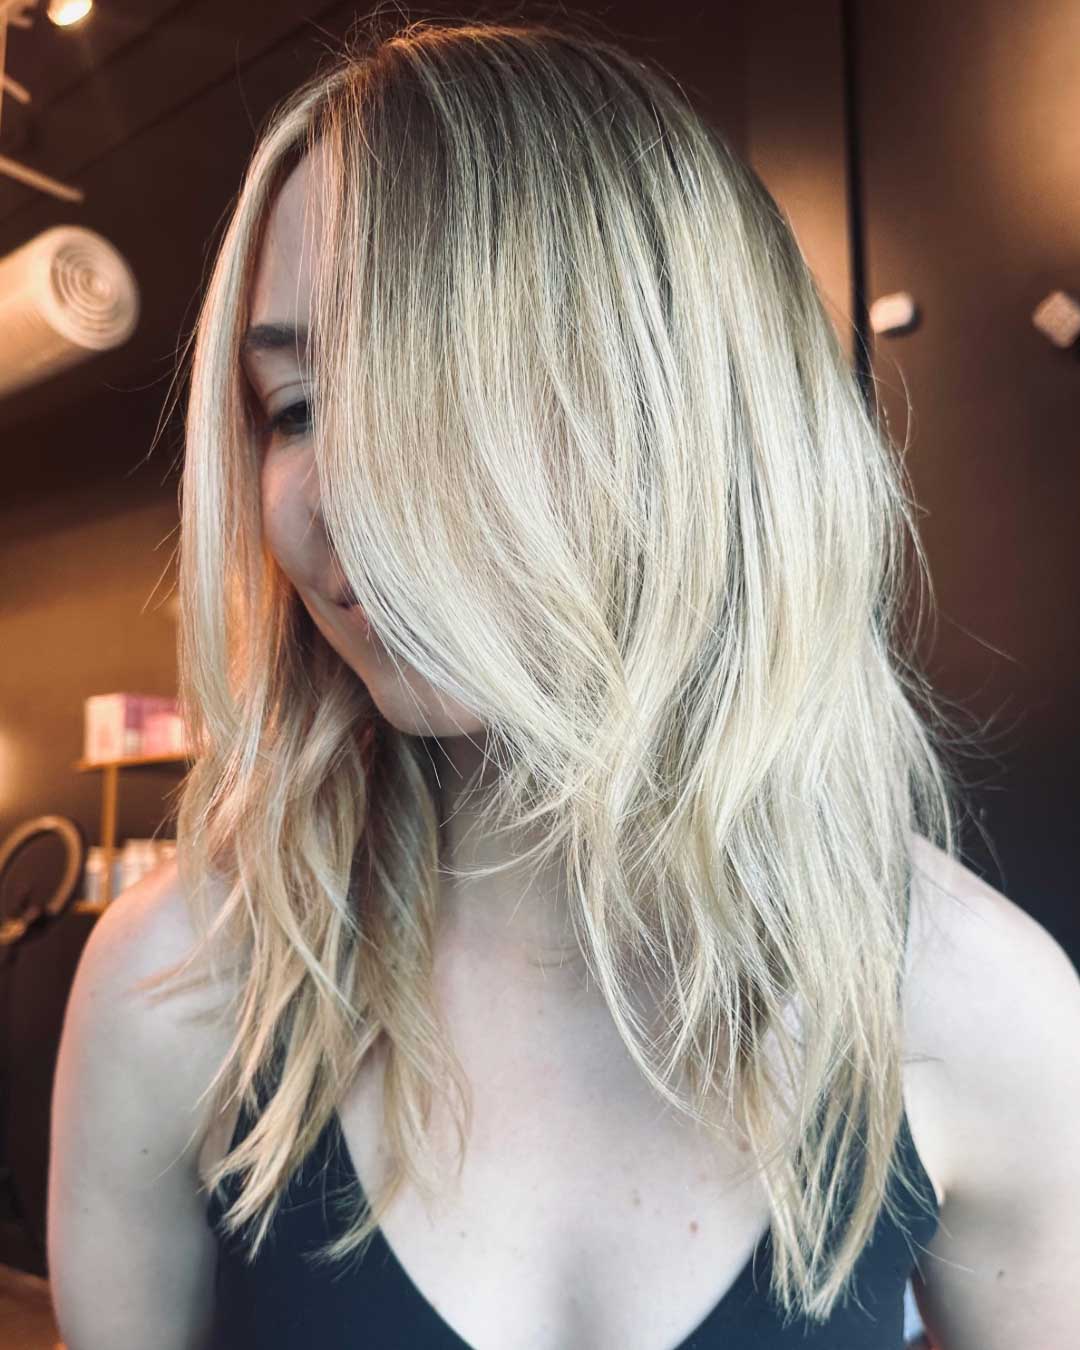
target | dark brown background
x=921, y=146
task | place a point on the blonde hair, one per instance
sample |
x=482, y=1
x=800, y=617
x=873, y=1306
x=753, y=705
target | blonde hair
x=594, y=463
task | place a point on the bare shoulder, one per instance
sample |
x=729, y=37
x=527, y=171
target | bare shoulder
x=125, y=1208
x=151, y=920
x=179, y=1037
x=994, y=996
x=147, y=927
x=971, y=949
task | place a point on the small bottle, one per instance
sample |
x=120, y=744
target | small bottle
x=117, y=874
x=94, y=874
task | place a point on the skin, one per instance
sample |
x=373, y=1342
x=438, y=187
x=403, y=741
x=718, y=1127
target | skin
x=516, y=918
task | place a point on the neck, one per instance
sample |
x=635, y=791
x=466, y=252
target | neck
x=520, y=915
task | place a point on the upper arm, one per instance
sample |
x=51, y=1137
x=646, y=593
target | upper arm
x=131, y=1258
x=1003, y=1269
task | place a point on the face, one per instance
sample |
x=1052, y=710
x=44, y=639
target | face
x=292, y=517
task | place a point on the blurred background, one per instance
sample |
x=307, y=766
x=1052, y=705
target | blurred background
x=928, y=158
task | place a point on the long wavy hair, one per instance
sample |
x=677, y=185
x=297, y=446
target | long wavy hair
x=594, y=462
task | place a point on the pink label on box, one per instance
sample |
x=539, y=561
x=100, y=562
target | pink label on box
x=115, y=725
x=162, y=734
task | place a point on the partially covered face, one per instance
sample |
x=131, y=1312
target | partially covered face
x=275, y=362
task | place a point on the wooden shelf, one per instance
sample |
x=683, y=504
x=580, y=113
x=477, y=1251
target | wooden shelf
x=131, y=761
x=110, y=784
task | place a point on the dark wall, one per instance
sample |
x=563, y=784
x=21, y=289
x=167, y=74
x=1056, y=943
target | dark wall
x=967, y=194
x=973, y=204
x=796, y=137
x=86, y=609
x=972, y=200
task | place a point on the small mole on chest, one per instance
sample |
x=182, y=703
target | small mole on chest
x=635, y=1197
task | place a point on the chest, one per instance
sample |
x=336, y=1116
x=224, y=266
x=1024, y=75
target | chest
x=586, y=1212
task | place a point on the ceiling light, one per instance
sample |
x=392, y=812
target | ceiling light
x=65, y=13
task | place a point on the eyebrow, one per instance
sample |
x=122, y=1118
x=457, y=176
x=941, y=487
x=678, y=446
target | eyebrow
x=273, y=337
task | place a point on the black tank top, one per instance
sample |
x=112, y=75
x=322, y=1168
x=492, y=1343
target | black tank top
x=283, y=1302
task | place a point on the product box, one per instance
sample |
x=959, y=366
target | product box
x=163, y=732
x=112, y=726
x=119, y=725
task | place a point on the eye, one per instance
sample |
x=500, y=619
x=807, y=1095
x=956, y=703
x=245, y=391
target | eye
x=291, y=421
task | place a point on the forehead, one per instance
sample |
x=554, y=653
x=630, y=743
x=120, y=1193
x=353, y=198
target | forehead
x=281, y=288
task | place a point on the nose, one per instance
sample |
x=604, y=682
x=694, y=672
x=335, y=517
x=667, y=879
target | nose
x=306, y=487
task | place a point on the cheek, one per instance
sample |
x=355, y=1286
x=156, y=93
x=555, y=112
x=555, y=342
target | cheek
x=282, y=510
x=270, y=503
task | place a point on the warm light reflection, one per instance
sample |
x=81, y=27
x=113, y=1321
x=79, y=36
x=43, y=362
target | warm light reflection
x=65, y=13
x=11, y=770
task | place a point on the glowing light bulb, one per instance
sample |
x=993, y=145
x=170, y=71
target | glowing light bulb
x=66, y=13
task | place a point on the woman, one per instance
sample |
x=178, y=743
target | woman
x=581, y=954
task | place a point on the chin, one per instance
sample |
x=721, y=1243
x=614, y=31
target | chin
x=407, y=701
x=414, y=713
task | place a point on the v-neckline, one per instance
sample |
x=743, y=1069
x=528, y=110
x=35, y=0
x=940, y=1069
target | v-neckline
x=343, y=1154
